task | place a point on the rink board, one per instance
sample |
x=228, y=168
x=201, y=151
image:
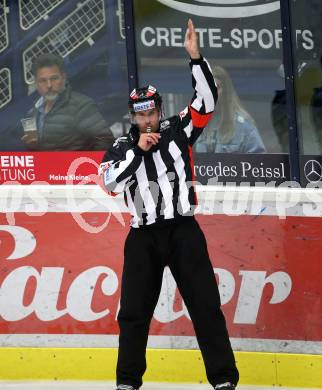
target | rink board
x=61, y=264
x=270, y=369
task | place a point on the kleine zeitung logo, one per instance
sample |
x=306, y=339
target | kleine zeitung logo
x=224, y=8
x=17, y=167
x=13, y=161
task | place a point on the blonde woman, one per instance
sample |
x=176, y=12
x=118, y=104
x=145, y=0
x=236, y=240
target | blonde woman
x=232, y=129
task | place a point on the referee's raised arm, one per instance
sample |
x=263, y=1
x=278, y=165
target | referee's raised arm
x=199, y=112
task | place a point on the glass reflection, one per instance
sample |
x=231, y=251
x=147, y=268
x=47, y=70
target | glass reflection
x=306, y=16
x=232, y=129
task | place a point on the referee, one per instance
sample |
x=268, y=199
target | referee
x=152, y=165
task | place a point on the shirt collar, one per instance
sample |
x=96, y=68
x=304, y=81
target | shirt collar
x=40, y=104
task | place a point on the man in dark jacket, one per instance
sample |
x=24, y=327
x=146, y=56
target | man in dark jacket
x=62, y=119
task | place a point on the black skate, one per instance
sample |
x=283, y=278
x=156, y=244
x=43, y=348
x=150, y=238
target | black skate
x=225, y=386
x=125, y=387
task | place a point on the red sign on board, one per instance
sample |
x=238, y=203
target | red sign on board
x=67, y=281
x=50, y=167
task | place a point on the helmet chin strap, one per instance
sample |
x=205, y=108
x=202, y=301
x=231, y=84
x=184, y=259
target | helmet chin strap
x=132, y=119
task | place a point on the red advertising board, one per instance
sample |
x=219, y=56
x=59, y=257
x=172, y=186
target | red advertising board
x=67, y=281
x=50, y=167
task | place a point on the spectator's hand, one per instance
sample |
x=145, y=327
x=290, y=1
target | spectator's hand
x=30, y=139
x=147, y=140
x=191, y=41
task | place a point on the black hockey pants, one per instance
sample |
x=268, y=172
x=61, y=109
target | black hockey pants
x=181, y=246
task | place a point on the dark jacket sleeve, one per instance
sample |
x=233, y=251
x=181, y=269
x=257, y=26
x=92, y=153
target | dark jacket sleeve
x=94, y=127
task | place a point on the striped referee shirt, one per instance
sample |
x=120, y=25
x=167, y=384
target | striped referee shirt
x=158, y=184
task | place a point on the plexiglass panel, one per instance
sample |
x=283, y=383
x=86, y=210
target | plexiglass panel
x=242, y=40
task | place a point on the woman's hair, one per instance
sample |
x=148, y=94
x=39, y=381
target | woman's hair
x=229, y=106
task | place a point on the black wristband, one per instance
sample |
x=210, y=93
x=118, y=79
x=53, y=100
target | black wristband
x=196, y=61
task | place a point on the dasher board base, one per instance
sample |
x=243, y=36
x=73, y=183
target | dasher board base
x=164, y=365
x=110, y=385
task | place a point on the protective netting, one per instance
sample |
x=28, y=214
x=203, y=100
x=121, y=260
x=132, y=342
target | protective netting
x=31, y=11
x=5, y=87
x=4, y=40
x=70, y=33
x=120, y=14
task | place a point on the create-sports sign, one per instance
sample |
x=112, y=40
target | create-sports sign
x=227, y=29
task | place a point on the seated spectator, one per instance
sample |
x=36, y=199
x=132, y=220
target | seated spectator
x=232, y=129
x=316, y=105
x=308, y=105
x=279, y=118
x=62, y=119
x=316, y=111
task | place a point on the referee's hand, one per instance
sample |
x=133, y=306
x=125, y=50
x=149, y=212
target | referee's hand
x=191, y=41
x=147, y=140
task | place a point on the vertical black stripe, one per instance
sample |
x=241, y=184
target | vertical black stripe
x=152, y=176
